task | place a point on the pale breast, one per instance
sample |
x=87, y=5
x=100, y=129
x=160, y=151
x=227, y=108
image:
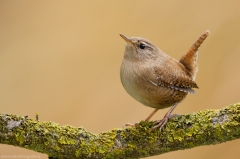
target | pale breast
x=128, y=79
x=145, y=91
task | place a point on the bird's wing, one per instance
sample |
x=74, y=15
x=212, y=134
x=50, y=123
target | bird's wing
x=172, y=75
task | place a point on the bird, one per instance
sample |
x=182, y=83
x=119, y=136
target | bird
x=155, y=79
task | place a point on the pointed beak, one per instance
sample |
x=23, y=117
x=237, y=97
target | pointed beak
x=126, y=39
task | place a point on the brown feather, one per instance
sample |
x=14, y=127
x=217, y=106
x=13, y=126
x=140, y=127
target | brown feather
x=189, y=60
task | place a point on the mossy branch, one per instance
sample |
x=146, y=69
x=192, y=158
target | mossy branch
x=187, y=131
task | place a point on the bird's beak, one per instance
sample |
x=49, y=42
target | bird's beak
x=126, y=39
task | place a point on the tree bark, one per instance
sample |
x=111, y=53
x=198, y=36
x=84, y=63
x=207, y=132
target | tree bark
x=183, y=132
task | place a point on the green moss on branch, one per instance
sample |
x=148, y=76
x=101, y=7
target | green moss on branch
x=187, y=131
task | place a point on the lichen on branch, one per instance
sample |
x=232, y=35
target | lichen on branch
x=187, y=131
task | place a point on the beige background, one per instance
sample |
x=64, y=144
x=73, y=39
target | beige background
x=62, y=59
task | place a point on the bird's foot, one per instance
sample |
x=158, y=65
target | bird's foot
x=130, y=124
x=161, y=123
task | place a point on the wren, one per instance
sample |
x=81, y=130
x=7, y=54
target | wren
x=154, y=78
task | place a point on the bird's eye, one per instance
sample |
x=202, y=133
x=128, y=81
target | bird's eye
x=142, y=46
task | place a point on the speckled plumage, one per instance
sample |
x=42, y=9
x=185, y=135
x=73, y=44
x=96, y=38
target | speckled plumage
x=155, y=79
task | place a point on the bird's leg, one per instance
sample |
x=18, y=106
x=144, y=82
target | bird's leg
x=161, y=123
x=150, y=116
x=147, y=119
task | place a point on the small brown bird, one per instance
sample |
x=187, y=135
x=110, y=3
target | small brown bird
x=155, y=79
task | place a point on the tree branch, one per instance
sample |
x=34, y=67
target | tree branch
x=187, y=131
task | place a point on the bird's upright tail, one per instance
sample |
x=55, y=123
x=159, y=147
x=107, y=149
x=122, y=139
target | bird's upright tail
x=189, y=60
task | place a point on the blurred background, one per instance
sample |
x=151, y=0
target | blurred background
x=62, y=60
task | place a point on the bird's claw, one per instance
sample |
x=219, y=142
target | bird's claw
x=130, y=124
x=161, y=123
